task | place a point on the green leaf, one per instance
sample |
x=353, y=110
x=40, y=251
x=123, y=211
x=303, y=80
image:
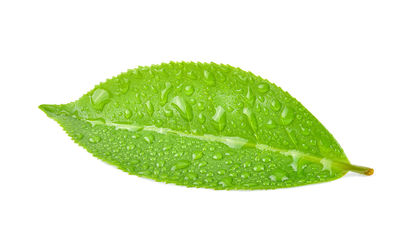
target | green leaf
x=203, y=125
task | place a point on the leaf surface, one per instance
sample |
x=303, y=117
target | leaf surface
x=203, y=125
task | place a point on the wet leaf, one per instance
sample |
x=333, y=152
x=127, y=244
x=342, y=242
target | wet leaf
x=203, y=125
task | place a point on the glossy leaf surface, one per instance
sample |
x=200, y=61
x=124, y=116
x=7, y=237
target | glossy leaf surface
x=203, y=125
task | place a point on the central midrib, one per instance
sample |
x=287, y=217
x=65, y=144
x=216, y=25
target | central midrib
x=232, y=142
x=238, y=142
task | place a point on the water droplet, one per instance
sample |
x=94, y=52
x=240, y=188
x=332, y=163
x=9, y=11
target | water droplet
x=263, y=88
x=188, y=90
x=245, y=175
x=165, y=92
x=99, y=98
x=202, y=164
x=168, y=112
x=123, y=85
x=202, y=118
x=251, y=118
x=184, y=109
x=221, y=172
x=94, y=139
x=165, y=148
x=287, y=115
x=78, y=136
x=258, y=167
x=209, y=77
x=250, y=96
x=275, y=105
x=149, y=108
x=305, y=130
x=219, y=118
x=201, y=106
x=217, y=156
x=127, y=113
x=278, y=175
x=192, y=75
x=181, y=164
x=225, y=182
x=197, y=155
x=149, y=139
x=270, y=124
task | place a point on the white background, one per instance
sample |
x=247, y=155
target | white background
x=341, y=59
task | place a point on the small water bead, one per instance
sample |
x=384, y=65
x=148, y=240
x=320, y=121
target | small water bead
x=287, y=115
x=134, y=161
x=275, y=105
x=263, y=88
x=160, y=164
x=149, y=108
x=200, y=106
x=165, y=92
x=305, y=130
x=225, y=182
x=219, y=118
x=188, y=90
x=191, y=75
x=209, y=77
x=149, y=139
x=191, y=176
x=217, y=156
x=261, y=99
x=202, y=118
x=94, y=139
x=127, y=113
x=202, y=164
x=168, y=112
x=245, y=175
x=221, y=172
x=99, y=98
x=184, y=109
x=250, y=96
x=166, y=148
x=251, y=119
x=123, y=85
x=158, y=123
x=197, y=155
x=181, y=164
x=192, y=101
x=78, y=136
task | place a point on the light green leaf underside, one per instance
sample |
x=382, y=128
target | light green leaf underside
x=202, y=125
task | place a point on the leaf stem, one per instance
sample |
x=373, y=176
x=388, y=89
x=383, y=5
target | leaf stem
x=354, y=168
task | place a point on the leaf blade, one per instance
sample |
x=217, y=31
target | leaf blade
x=175, y=123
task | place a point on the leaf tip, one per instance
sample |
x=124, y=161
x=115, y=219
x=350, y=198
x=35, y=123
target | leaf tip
x=49, y=109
